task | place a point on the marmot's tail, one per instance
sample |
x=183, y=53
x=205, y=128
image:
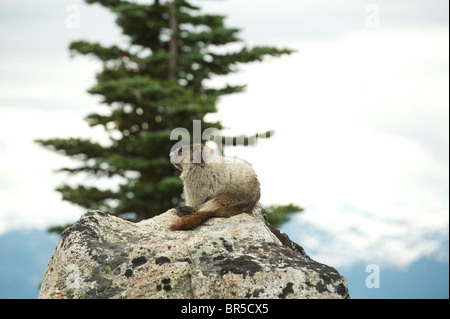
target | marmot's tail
x=191, y=221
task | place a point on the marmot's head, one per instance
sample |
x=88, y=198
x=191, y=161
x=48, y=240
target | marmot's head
x=196, y=154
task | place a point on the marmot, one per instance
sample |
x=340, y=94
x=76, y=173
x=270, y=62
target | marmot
x=214, y=186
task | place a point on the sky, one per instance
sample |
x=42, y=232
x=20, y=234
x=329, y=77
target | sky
x=360, y=111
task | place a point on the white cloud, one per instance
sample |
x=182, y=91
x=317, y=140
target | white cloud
x=39, y=101
x=59, y=82
x=361, y=142
x=26, y=170
x=354, y=238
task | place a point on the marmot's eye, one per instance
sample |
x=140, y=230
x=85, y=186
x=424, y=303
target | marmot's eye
x=180, y=151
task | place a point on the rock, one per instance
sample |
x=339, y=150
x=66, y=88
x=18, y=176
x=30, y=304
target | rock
x=102, y=256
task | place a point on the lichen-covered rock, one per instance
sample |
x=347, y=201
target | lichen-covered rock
x=103, y=256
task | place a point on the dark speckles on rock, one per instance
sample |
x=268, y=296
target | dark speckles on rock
x=162, y=260
x=220, y=257
x=321, y=287
x=95, y=213
x=286, y=290
x=128, y=273
x=136, y=262
x=227, y=246
x=81, y=227
x=342, y=291
x=186, y=260
x=165, y=284
x=241, y=265
x=255, y=294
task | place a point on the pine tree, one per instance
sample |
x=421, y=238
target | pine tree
x=152, y=85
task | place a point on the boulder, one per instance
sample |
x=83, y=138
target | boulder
x=102, y=256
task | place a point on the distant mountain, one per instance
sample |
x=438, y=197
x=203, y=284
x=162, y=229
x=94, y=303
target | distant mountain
x=24, y=255
x=423, y=279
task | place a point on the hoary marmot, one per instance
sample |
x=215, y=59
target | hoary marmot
x=214, y=186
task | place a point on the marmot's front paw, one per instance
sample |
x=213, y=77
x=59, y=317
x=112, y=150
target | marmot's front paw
x=184, y=210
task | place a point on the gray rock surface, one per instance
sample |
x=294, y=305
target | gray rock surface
x=102, y=256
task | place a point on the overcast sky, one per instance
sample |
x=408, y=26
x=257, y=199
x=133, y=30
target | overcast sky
x=360, y=114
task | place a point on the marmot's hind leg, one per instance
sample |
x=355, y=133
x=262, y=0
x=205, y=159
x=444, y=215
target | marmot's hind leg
x=227, y=205
x=184, y=210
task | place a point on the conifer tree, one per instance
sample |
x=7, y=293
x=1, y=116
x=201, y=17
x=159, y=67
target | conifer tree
x=155, y=83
